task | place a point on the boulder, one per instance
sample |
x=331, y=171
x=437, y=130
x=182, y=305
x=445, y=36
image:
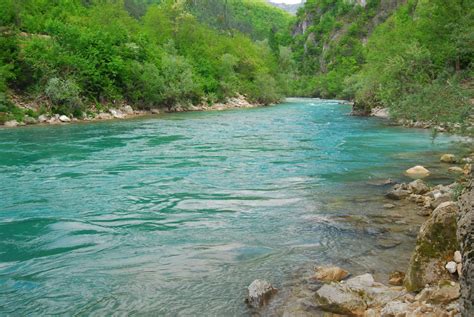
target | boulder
x=64, y=118
x=418, y=187
x=43, y=118
x=340, y=299
x=388, y=206
x=398, y=192
x=29, y=120
x=127, y=110
x=417, y=172
x=443, y=293
x=380, y=112
x=11, y=123
x=330, y=274
x=104, y=116
x=467, y=169
x=155, y=111
x=117, y=114
x=455, y=170
x=259, y=293
x=448, y=158
x=436, y=242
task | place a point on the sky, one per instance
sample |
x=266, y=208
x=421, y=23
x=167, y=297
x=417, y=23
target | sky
x=286, y=1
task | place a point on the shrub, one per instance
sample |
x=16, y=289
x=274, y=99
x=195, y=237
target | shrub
x=65, y=96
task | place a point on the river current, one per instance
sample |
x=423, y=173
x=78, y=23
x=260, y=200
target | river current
x=174, y=215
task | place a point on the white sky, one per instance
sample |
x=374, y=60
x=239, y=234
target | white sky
x=286, y=1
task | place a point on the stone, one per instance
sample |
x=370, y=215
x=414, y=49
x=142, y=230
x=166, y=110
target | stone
x=440, y=199
x=29, y=120
x=395, y=308
x=117, y=114
x=64, y=118
x=459, y=269
x=387, y=243
x=448, y=158
x=104, y=116
x=455, y=170
x=127, y=110
x=340, y=299
x=11, y=123
x=417, y=172
x=451, y=267
x=398, y=192
x=43, y=118
x=436, y=241
x=467, y=169
x=330, y=274
x=380, y=112
x=457, y=257
x=259, y=293
x=388, y=206
x=155, y=111
x=418, y=187
x=396, y=278
x=443, y=293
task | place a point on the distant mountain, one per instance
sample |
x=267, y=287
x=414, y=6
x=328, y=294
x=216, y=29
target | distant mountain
x=292, y=8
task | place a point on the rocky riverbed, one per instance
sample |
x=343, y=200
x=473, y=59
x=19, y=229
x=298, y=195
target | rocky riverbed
x=437, y=280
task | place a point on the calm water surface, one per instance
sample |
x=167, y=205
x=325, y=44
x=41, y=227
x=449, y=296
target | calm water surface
x=177, y=214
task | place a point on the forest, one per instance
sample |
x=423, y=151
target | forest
x=413, y=57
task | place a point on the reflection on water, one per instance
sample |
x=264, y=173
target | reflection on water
x=176, y=215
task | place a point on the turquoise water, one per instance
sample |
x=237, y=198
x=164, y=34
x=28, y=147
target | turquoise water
x=177, y=214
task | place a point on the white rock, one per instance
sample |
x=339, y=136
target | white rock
x=117, y=113
x=457, y=257
x=417, y=172
x=11, y=123
x=42, y=118
x=127, y=109
x=451, y=267
x=64, y=118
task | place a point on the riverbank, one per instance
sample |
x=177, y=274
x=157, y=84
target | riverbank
x=437, y=280
x=126, y=112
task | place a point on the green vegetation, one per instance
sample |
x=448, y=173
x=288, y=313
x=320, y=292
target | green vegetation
x=414, y=58
x=71, y=55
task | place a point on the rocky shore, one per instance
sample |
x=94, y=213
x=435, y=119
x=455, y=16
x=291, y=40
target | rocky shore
x=438, y=280
x=126, y=111
x=384, y=113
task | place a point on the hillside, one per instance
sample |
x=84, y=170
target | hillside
x=414, y=57
x=71, y=57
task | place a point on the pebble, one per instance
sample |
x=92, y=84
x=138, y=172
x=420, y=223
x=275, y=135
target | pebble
x=451, y=267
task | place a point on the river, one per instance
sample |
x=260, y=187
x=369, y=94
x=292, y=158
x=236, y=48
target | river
x=176, y=214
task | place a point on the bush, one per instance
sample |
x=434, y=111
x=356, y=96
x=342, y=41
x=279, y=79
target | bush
x=65, y=96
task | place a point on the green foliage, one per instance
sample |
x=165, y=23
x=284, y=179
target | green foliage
x=77, y=52
x=64, y=95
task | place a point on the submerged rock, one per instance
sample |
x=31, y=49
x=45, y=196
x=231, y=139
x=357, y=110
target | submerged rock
x=330, y=274
x=448, y=158
x=456, y=170
x=417, y=172
x=436, y=241
x=259, y=293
